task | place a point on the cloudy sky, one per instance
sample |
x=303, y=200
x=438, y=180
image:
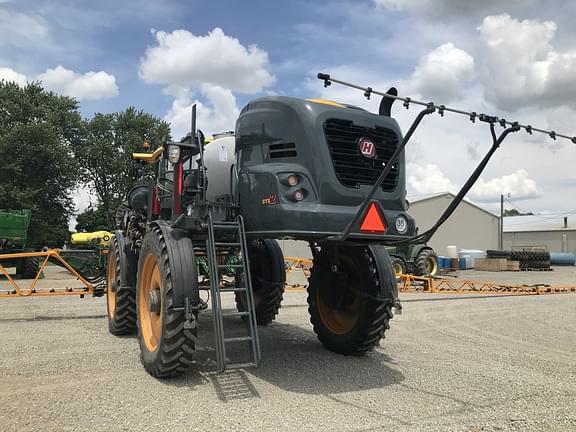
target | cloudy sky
x=515, y=59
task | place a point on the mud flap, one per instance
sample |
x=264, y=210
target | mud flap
x=386, y=276
x=128, y=264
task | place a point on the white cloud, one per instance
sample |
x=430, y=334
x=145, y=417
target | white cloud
x=522, y=67
x=442, y=73
x=218, y=115
x=427, y=179
x=9, y=75
x=518, y=184
x=183, y=59
x=87, y=86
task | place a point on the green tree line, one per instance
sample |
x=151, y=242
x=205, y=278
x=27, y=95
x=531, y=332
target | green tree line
x=48, y=151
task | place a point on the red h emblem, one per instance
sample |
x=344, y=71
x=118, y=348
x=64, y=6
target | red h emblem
x=367, y=148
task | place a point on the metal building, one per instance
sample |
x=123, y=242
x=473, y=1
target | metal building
x=469, y=227
x=556, y=234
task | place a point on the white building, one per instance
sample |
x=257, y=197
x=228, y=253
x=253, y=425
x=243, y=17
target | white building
x=469, y=227
x=557, y=234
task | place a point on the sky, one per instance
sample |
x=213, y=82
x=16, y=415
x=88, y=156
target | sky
x=514, y=59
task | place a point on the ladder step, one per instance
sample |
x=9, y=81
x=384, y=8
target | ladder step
x=225, y=227
x=230, y=266
x=241, y=365
x=235, y=314
x=224, y=244
x=232, y=289
x=238, y=339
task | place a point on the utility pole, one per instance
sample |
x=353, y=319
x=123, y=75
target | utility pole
x=501, y=225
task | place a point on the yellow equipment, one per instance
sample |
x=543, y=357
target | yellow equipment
x=96, y=238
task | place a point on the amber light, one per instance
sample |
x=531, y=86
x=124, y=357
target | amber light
x=292, y=180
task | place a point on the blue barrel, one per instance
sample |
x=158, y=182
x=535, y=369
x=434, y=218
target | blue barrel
x=562, y=258
x=443, y=262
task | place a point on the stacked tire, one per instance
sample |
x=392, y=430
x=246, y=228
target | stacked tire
x=527, y=259
x=531, y=259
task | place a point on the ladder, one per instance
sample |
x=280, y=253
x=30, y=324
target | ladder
x=230, y=236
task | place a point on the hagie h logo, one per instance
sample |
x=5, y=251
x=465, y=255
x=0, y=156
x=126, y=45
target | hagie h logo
x=367, y=148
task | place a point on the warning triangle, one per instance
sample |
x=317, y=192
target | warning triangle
x=373, y=221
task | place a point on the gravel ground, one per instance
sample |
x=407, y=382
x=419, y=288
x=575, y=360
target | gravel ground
x=449, y=363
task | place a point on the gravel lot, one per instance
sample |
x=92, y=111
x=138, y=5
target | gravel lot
x=456, y=363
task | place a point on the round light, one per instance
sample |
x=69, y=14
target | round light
x=401, y=224
x=299, y=195
x=173, y=153
x=292, y=180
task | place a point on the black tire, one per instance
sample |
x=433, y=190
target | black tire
x=426, y=263
x=399, y=265
x=498, y=254
x=165, y=266
x=27, y=268
x=121, y=287
x=539, y=264
x=268, y=276
x=344, y=320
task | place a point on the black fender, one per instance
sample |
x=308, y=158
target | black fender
x=183, y=267
x=386, y=276
x=128, y=263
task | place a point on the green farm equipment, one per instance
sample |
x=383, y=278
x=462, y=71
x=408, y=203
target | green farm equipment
x=327, y=173
x=13, y=239
x=416, y=259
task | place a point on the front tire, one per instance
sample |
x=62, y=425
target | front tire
x=345, y=315
x=166, y=342
x=121, y=287
x=399, y=265
x=28, y=267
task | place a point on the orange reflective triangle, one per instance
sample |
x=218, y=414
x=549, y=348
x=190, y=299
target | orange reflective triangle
x=373, y=221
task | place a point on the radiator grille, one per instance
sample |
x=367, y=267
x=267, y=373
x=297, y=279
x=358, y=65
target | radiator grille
x=351, y=168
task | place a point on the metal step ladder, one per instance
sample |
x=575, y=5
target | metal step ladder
x=227, y=236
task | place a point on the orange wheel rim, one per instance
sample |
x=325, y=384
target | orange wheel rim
x=150, y=322
x=339, y=321
x=111, y=281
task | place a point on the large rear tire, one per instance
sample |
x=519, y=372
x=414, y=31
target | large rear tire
x=344, y=311
x=166, y=343
x=268, y=279
x=426, y=263
x=121, y=287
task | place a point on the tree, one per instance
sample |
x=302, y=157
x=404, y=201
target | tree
x=514, y=212
x=37, y=168
x=92, y=219
x=105, y=154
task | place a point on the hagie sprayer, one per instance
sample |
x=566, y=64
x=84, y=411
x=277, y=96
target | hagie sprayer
x=327, y=173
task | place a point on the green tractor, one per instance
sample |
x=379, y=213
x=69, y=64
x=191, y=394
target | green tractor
x=416, y=259
x=13, y=238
